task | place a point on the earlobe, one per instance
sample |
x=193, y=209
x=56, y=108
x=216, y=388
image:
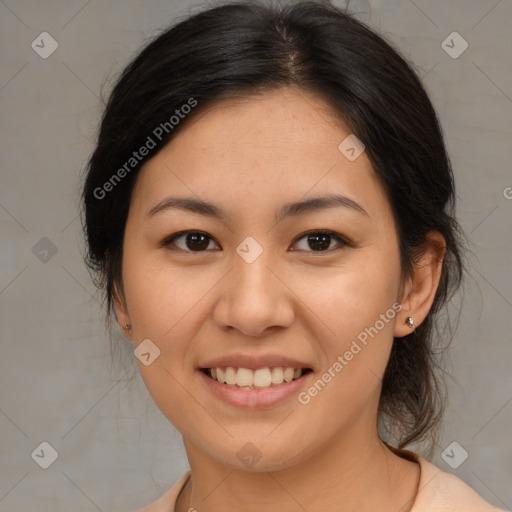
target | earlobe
x=422, y=285
x=121, y=311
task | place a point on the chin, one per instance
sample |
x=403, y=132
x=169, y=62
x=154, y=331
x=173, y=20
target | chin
x=256, y=454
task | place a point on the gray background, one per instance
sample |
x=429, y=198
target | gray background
x=116, y=452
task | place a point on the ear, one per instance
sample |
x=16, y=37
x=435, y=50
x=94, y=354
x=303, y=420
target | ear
x=120, y=309
x=421, y=287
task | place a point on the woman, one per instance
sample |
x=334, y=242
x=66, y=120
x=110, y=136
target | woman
x=270, y=210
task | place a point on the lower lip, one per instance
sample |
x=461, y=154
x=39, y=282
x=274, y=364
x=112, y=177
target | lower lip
x=255, y=398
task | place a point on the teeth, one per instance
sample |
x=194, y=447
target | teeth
x=244, y=377
x=230, y=376
x=262, y=378
x=288, y=374
x=255, y=379
x=277, y=375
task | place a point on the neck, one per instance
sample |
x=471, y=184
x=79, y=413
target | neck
x=356, y=472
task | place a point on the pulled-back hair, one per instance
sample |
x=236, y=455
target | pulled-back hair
x=239, y=49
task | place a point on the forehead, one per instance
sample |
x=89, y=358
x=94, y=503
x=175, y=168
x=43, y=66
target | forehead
x=259, y=149
x=281, y=118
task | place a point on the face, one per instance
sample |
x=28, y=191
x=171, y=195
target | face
x=262, y=284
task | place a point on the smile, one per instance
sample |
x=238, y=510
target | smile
x=261, y=388
x=261, y=378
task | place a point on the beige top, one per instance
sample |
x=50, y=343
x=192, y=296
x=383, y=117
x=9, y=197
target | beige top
x=438, y=492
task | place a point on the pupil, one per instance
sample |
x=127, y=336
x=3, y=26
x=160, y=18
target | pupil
x=314, y=244
x=195, y=238
x=198, y=241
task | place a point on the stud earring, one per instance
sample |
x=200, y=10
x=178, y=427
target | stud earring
x=410, y=322
x=127, y=327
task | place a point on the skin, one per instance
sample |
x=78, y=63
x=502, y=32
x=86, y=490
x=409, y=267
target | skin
x=250, y=156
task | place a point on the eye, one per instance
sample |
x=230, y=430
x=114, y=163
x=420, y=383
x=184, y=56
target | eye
x=194, y=241
x=197, y=241
x=320, y=241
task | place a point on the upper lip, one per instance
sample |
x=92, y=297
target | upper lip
x=254, y=362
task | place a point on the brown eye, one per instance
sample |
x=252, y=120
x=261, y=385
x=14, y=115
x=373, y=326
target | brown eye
x=197, y=241
x=192, y=241
x=320, y=241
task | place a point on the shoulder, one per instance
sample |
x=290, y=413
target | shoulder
x=439, y=490
x=167, y=501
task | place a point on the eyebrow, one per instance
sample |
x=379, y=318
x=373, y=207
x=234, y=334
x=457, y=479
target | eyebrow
x=310, y=205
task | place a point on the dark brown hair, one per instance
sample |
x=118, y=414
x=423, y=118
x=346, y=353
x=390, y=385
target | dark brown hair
x=238, y=49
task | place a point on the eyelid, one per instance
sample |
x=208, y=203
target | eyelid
x=333, y=234
x=342, y=240
x=170, y=239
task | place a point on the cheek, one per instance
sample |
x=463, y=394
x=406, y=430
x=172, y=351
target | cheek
x=354, y=315
x=159, y=296
x=352, y=297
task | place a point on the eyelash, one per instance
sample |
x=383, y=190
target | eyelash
x=344, y=242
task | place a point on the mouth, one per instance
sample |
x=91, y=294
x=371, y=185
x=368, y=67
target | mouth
x=260, y=378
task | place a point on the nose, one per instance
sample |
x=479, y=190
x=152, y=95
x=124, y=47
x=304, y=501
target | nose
x=254, y=298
